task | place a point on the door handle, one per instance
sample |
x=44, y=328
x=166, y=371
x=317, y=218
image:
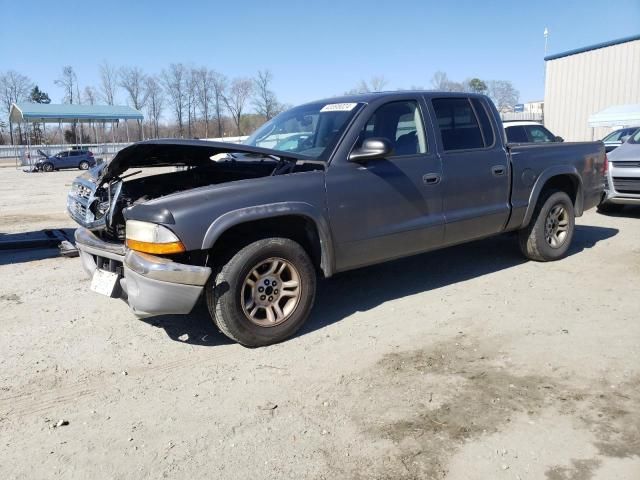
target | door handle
x=431, y=178
x=498, y=170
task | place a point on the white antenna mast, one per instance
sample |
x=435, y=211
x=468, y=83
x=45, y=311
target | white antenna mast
x=546, y=40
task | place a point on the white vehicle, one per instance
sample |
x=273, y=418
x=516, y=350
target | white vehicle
x=623, y=177
x=618, y=137
x=528, y=132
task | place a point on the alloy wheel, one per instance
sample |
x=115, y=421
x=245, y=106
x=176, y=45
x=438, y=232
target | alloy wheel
x=271, y=292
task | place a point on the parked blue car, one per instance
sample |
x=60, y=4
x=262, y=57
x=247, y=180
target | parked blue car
x=82, y=159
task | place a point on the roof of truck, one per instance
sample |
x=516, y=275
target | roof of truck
x=371, y=96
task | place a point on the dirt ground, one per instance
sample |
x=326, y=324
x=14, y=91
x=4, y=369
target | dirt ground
x=467, y=363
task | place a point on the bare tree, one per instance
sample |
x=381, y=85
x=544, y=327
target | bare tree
x=190, y=90
x=14, y=88
x=219, y=92
x=375, y=84
x=155, y=102
x=204, y=83
x=90, y=96
x=440, y=80
x=108, y=83
x=236, y=98
x=265, y=102
x=132, y=80
x=378, y=83
x=503, y=94
x=69, y=84
x=174, y=83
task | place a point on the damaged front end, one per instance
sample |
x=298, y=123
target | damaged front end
x=129, y=263
x=99, y=197
x=88, y=203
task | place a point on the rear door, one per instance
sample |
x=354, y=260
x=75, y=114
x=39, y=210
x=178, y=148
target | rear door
x=73, y=159
x=61, y=160
x=476, y=170
x=387, y=207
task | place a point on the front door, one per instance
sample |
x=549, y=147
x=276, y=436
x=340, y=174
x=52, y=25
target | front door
x=388, y=207
x=476, y=170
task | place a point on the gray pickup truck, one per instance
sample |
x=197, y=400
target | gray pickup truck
x=322, y=188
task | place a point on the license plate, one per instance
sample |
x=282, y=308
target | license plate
x=104, y=282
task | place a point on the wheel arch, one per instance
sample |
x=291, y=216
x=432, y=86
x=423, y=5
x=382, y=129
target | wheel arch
x=560, y=177
x=299, y=221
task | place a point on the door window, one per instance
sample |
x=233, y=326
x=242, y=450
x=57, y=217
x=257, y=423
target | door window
x=401, y=124
x=458, y=124
x=540, y=134
x=516, y=134
x=614, y=137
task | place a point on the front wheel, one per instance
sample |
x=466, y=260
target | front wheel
x=550, y=231
x=47, y=167
x=264, y=293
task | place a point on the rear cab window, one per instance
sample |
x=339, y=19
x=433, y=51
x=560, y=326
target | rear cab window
x=459, y=125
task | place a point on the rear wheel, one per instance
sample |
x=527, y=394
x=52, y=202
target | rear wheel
x=264, y=293
x=550, y=231
x=84, y=165
x=47, y=167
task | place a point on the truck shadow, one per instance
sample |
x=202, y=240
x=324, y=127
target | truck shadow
x=629, y=211
x=366, y=288
x=194, y=329
x=31, y=246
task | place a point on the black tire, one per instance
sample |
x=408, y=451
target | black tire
x=533, y=241
x=84, y=165
x=224, y=292
x=610, y=208
x=47, y=167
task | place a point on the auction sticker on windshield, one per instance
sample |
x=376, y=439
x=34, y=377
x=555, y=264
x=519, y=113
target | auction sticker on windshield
x=338, y=107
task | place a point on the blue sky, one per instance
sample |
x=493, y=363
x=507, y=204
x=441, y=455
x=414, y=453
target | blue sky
x=313, y=48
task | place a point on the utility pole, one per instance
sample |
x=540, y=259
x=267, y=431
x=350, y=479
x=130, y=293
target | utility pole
x=546, y=40
x=546, y=44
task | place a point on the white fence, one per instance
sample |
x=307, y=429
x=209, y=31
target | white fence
x=522, y=116
x=27, y=155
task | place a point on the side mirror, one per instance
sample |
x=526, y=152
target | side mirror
x=559, y=139
x=371, y=149
x=624, y=138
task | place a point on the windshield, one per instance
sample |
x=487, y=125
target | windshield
x=311, y=130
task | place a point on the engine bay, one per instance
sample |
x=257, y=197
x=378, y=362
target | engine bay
x=111, y=198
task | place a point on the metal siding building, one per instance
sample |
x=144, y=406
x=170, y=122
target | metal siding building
x=587, y=80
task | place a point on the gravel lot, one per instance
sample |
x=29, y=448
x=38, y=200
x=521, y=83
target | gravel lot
x=467, y=363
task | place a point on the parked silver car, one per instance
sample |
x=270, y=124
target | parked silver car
x=623, y=177
x=618, y=137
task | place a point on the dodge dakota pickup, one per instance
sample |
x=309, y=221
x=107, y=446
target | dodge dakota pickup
x=322, y=188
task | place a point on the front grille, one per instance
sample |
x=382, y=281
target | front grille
x=627, y=185
x=78, y=209
x=82, y=190
x=626, y=164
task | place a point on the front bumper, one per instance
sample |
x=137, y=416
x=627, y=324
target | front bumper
x=623, y=183
x=151, y=285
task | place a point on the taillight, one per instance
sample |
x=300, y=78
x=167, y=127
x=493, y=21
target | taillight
x=605, y=165
x=90, y=154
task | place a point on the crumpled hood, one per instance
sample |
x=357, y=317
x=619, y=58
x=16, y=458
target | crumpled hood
x=172, y=152
x=625, y=152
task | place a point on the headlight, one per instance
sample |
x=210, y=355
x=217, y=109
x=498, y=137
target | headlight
x=152, y=238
